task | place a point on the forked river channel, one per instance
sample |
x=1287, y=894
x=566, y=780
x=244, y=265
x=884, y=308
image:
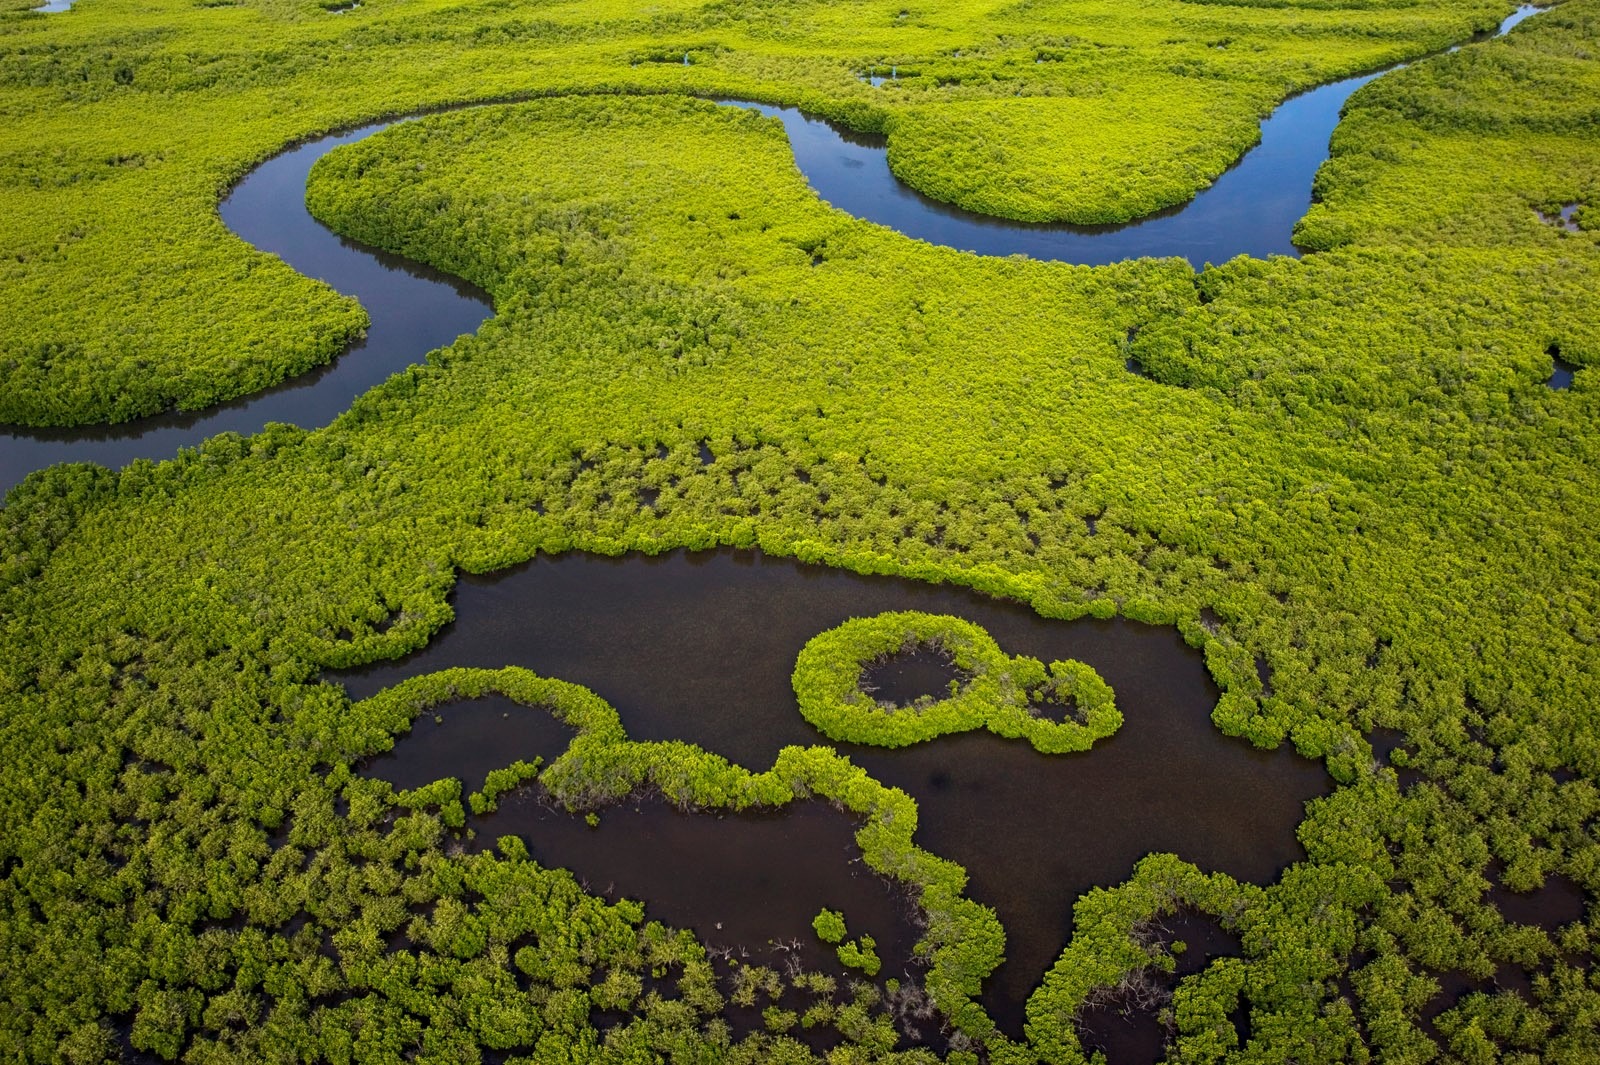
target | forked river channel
x=1250, y=210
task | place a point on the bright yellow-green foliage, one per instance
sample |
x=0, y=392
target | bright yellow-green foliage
x=1347, y=482
x=1514, y=126
x=829, y=925
x=996, y=691
x=1105, y=156
x=126, y=120
x=861, y=954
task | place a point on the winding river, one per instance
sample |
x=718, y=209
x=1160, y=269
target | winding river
x=1250, y=210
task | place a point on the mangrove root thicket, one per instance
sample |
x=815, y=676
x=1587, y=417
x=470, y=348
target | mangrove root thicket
x=1342, y=477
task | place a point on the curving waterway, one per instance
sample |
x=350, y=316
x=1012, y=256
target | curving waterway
x=1250, y=210
x=414, y=309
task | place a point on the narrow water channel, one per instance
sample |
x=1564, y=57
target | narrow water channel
x=1250, y=210
x=413, y=308
x=700, y=647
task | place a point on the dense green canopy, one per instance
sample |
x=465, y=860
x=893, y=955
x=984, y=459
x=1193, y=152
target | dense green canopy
x=1344, y=477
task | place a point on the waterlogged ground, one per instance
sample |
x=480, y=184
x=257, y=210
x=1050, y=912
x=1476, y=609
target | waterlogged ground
x=1310, y=501
x=699, y=647
x=1034, y=830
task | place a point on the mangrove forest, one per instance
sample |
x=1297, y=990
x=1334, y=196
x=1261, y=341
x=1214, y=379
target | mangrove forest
x=998, y=532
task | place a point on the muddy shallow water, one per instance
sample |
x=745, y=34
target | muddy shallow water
x=1126, y=1026
x=467, y=739
x=910, y=678
x=700, y=647
x=747, y=883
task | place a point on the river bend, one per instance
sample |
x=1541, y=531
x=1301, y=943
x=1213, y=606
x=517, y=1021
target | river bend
x=1250, y=210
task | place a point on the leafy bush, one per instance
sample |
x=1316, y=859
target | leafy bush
x=999, y=695
x=829, y=925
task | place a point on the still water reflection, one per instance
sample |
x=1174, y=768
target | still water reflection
x=700, y=646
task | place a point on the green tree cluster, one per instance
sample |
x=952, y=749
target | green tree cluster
x=1345, y=481
x=1001, y=693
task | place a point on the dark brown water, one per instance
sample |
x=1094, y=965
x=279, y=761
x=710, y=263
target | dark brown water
x=1385, y=743
x=904, y=679
x=748, y=884
x=1127, y=1026
x=467, y=739
x=700, y=647
x=1558, y=902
